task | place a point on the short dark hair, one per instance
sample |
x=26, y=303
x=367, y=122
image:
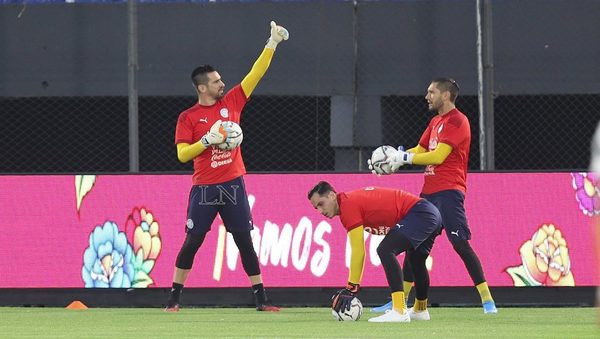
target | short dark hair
x=447, y=85
x=199, y=74
x=322, y=188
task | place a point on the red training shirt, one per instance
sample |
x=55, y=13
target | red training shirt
x=213, y=166
x=375, y=208
x=452, y=129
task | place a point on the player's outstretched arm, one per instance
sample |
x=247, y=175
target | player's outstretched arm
x=357, y=256
x=278, y=34
x=343, y=298
x=417, y=149
x=434, y=157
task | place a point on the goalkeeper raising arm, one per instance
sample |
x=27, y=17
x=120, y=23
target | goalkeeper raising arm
x=210, y=89
x=410, y=225
x=197, y=134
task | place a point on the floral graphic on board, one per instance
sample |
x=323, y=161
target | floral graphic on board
x=146, y=245
x=83, y=185
x=107, y=262
x=112, y=261
x=587, y=192
x=545, y=260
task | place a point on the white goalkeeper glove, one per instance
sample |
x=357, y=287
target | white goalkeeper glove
x=215, y=136
x=372, y=169
x=400, y=159
x=278, y=34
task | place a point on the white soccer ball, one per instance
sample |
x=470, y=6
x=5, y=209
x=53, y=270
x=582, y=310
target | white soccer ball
x=234, y=135
x=353, y=314
x=379, y=159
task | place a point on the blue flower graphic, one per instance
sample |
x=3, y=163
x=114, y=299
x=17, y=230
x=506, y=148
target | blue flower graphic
x=108, y=260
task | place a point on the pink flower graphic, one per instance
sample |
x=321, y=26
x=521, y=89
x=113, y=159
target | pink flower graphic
x=587, y=192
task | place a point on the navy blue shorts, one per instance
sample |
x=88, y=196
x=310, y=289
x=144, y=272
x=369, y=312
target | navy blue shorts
x=420, y=225
x=451, y=204
x=229, y=199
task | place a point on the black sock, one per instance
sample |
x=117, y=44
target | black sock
x=260, y=296
x=175, y=293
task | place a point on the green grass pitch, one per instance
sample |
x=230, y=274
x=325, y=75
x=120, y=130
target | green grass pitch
x=293, y=323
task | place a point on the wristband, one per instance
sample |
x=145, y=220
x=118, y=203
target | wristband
x=204, y=141
x=352, y=287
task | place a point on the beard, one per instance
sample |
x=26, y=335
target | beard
x=217, y=96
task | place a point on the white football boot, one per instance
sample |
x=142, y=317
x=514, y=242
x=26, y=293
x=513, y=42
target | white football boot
x=392, y=316
x=418, y=316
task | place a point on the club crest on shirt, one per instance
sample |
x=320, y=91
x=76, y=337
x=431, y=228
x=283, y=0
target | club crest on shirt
x=224, y=112
x=433, y=144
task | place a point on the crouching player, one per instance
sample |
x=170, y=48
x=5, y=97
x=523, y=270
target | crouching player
x=409, y=223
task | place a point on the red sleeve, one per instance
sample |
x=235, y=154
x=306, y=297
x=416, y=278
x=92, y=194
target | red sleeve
x=237, y=98
x=184, y=130
x=424, y=141
x=350, y=215
x=455, y=131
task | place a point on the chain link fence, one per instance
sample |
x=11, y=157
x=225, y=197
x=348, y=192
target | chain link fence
x=548, y=129
x=64, y=134
x=283, y=134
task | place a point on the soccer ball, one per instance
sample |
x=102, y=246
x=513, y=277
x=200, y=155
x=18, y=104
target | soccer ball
x=379, y=158
x=353, y=314
x=234, y=135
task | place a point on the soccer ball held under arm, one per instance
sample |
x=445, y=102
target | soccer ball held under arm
x=379, y=163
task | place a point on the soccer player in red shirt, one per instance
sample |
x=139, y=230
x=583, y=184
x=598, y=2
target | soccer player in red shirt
x=218, y=185
x=409, y=223
x=444, y=150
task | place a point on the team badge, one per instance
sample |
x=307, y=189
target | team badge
x=190, y=224
x=224, y=112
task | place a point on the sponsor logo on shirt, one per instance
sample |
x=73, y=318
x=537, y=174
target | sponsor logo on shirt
x=377, y=230
x=430, y=170
x=220, y=157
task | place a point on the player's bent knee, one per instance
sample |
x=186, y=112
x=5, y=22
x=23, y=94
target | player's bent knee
x=383, y=250
x=185, y=258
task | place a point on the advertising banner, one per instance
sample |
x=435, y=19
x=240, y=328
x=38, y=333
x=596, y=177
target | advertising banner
x=69, y=231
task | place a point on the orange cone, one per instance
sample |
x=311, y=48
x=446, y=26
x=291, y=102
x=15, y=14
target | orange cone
x=76, y=305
